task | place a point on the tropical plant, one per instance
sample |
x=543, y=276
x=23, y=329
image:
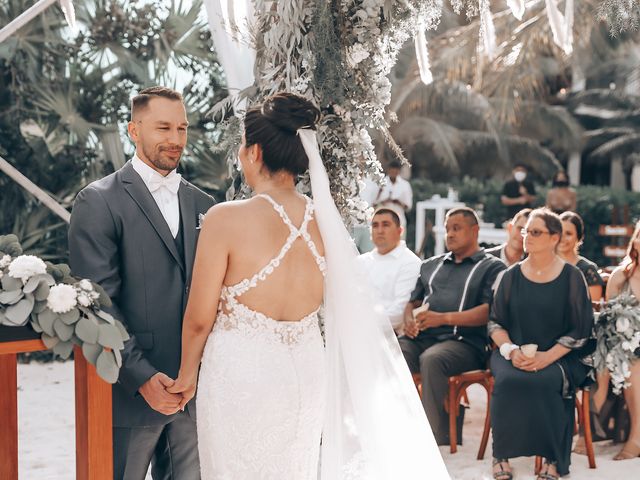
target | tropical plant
x=64, y=101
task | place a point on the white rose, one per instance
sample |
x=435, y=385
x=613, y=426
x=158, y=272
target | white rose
x=5, y=260
x=84, y=300
x=62, y=298
x=622, y=324
x=627, y=346
x=85, y=285
x=26, y=266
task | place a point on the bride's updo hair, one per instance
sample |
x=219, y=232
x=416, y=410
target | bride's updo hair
x=273, y=126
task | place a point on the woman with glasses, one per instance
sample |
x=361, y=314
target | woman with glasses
x=568, y=248
x=541, y=319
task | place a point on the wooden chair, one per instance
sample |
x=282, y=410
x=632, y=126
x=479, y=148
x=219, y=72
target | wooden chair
x=584, y=420
x=458, y=391
x=458, y=385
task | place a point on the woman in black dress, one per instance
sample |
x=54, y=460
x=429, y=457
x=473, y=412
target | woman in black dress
x=572, y=236
x=543, y=301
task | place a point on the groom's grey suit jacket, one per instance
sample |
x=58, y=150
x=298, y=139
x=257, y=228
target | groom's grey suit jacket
x=119, y=239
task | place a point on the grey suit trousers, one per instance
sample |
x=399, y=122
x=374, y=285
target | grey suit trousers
x=436, y=361
x=171, y=449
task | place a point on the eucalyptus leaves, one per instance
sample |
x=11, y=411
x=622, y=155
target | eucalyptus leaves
x=66, y=311
x=618, y=334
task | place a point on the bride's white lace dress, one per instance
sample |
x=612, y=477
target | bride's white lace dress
x=262, y=385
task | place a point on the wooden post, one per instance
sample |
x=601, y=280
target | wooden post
x=94, y=451
x=93, y=422
x=9, y=409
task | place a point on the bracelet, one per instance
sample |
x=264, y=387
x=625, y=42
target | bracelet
x=507, y=348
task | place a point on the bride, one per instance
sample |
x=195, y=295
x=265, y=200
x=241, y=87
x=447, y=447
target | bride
x=274, y=401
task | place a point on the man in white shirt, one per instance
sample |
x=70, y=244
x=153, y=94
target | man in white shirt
x=512, y=251
x=391, y=267
x=396, y=193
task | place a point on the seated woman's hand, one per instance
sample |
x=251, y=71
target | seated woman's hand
x=518, y=359
x=540, y=361
x=185, y=387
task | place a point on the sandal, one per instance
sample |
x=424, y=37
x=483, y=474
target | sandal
x=628, y=451
x=546, y=475
x=502, y=474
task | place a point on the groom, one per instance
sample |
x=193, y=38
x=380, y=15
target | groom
x=134, y=232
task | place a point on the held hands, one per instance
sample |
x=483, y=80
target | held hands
x=410, y=327
x=539, y=362
x=156, y=394
x=185, y=388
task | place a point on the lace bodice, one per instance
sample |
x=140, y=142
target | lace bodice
x=229, y=293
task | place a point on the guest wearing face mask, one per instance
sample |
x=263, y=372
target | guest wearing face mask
x=561, y=197
x=518, y=192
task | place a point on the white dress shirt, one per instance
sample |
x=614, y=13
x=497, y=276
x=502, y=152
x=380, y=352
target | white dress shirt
x=400, y=190
x=393, y=276
x=164, y=191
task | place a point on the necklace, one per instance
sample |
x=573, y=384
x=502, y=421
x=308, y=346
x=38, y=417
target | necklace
x=543, y=270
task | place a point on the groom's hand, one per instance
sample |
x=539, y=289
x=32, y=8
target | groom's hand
x=154, y=391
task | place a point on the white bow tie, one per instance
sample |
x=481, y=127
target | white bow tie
x=171, y=182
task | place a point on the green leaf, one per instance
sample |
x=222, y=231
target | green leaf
x=11, y=297
x=31, y=284
x=42, y=292
x=46, y=319
x=107, y=367
x=123, y=330
x=109, y=336
x=70, y=317
x=63, y=349
x=40, y=305
x=105, y=316
x=104, y=298
x=91, y=351
x=87, y=330
x=10, y=283
x=18, y=314
x=64, y=331
x=50, y=342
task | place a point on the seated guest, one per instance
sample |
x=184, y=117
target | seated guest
x=572, y=236
x=626, y=279
x=541, y=301
x=450, y=336
x=561, y=197
x=391, y=267
x=512, y=251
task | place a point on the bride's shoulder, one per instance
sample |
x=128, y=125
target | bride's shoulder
x=227, y=212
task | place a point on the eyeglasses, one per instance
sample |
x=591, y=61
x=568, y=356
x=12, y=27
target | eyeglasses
x=534, y=232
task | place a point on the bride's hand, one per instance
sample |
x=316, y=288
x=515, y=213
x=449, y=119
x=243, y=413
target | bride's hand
x=185, y=387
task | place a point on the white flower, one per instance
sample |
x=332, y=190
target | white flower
x=84, y=300
x=5, y=260
x=62, y=298
x=356, y=54
x=622, y=324
x=26, y=266
x=85, y=285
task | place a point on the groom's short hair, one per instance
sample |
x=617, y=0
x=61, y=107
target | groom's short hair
x=140, y=101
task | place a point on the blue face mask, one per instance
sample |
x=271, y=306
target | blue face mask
x=520, y=176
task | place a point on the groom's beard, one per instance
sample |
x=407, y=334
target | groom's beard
x=164, y=157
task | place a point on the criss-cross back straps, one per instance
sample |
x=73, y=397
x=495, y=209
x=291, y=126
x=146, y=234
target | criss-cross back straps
x=247, y=284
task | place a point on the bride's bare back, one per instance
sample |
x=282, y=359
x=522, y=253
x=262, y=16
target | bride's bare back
x=295, y=286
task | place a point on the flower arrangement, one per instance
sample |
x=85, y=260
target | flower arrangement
x=64, y=310
x=618, y=335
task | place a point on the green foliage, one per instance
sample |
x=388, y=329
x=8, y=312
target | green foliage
x=64, y=101
x=596, y=206
x=66, y=311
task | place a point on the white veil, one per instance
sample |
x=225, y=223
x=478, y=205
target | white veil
x=375, y=426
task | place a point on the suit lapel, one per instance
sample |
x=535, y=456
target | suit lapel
x=140, y=194
x=188, y=214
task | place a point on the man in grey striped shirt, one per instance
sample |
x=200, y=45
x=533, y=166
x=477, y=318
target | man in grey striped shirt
x=448, y=335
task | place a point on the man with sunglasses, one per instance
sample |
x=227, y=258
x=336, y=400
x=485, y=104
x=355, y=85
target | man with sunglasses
x=512, y=251
x=447, y=335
